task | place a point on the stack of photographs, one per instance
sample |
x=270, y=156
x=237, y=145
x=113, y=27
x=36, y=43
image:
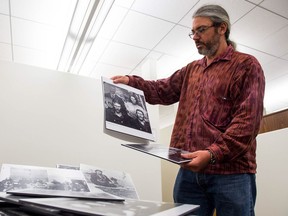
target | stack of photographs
x=71, y=190
x=100, y=208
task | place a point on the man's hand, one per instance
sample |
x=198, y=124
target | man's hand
x=120, y=79
x=200, y=159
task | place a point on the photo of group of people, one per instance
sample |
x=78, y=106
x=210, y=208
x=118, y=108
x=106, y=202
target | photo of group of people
x=125, y=110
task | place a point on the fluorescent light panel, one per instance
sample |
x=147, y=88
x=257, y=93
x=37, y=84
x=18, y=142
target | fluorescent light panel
x=88, y=19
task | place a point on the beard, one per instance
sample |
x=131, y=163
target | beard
x=209, y=48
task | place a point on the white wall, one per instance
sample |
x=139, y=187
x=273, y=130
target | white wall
x=49, y=117
x=272, y=173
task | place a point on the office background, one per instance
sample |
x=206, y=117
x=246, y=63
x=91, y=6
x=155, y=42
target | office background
x=51, y=101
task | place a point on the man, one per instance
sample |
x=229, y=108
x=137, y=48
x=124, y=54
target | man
x=140, y=122
x=99, y=179
x=118, y=114
x=110, y=96
x=220, y=108
x=132, y=105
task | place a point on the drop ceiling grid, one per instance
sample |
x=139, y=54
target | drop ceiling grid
x=123, y=55
x=142, y=30
x=108, y=71
x=280, y=7
x=253, y=32
x=147, y=26
x=49, y=12
x=262, y=57
x=275, y=69
x=169, y=10
x=243, y=7
x=177, y=43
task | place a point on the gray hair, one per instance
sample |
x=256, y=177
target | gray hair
x=217, y=15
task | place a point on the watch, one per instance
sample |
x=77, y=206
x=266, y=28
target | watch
x=212, y=158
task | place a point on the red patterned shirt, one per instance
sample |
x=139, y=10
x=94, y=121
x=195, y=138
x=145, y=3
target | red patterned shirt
x=220, y=108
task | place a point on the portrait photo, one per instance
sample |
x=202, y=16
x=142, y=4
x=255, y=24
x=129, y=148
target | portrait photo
x=125, y=110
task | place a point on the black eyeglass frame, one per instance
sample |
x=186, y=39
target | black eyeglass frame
x=200, y=30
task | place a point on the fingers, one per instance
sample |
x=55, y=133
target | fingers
x=200, y=160
x=120, y=79
x=188, y=155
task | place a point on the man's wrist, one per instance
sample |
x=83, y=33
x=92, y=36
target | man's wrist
x=212, y=158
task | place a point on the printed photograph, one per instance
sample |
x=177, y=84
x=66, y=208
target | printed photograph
x=125, y=110
x=15, y=177
x=161, y=151
x=114, y=182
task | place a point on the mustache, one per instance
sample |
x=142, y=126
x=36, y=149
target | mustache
x=199, y=43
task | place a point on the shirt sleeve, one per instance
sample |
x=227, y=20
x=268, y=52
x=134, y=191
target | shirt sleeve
x=163, y=91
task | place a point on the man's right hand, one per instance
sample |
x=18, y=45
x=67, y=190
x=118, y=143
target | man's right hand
x=120, y=79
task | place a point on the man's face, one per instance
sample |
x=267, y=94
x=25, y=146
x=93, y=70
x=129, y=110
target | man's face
x=133, y=99
x=117, y=107
x=206, y=36
x=140, y=115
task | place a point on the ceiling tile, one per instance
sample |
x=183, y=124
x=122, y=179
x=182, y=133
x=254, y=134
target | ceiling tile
x=242, y=8
x=177, y=43
x=151, y=56
x=124, y=3
x=285, y=56
x=53, y=12
x=253, y=32
x=108, y=71
x=123, y=55
x=275, y=69
x=37, y=36
x=5, y=36
x=4, y=7
x=6, y=52
x=93, y=57
x=155, y=55
x=112, y=22
x=142, y=30
x=255, y=1
x=263, y=58
x=168, y=64
x=278, y=6
x=173, y=11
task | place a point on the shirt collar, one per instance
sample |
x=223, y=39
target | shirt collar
x=227, y=55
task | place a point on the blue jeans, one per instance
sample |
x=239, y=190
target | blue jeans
x=230, y=195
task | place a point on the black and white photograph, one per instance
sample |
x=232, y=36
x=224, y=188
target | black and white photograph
x=158, y=150
x=114, y=182
x=15, y=177
x=126, y=208
x=125, y=110
x=48, y=182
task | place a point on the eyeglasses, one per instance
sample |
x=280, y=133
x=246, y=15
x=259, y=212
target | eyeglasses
x=199, y=30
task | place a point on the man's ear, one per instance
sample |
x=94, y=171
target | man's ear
x=223, y=28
